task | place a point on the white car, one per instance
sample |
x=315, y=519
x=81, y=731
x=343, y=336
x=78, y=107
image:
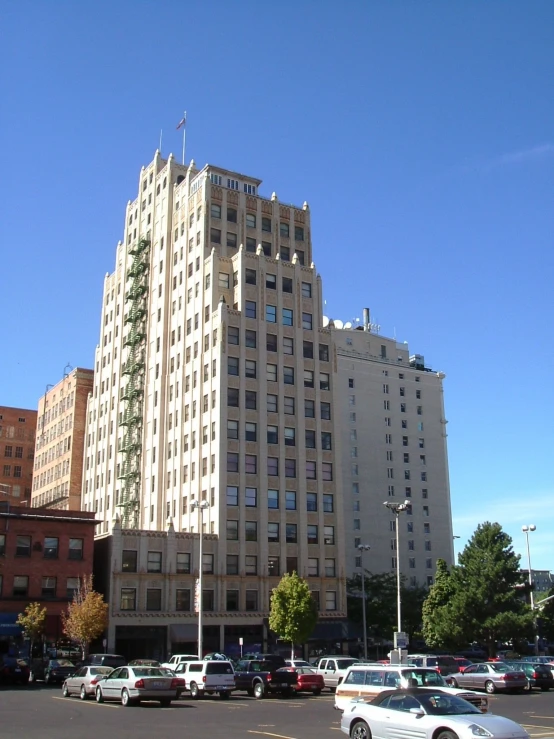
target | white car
x=208, y=677
x=427, y=714
x=177, y=659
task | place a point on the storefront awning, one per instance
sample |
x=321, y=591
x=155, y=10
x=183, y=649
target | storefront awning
x=337, y=629
x=8, y=625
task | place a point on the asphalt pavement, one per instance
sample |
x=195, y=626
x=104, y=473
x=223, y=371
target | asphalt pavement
x=41, y=711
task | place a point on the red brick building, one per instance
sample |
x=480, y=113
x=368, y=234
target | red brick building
x=44, y=555
x=17, y=450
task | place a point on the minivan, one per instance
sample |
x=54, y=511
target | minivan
x=444, y=663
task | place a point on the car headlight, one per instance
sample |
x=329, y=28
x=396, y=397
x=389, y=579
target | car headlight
x=477, y=730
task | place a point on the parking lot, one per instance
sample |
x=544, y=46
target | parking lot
x=42, y=711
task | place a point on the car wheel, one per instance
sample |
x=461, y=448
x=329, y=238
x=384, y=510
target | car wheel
x=360, y=730
x=47, y=678
x=125, y=698
x=65, y=691
x=99, y=696
x=317, y=692
x=490, y=687
x=224, y=695
x=83, y=693
x=165, y=702
x=447, y=735
x=194, y=692
x=259, y=691
x=32, y=677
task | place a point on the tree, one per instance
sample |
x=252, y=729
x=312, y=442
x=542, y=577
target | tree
x=86, y=617
x=32, y=622
x=293, y=613
x=479, y=600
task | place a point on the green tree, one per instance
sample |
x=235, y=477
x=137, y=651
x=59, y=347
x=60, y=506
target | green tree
x=32, y=621
x=293, y=612
x=86, y=617
x=545, y=618
x=440, y=628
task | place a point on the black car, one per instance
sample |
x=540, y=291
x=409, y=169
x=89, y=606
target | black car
x=52, y=670
x=538, y=675
x=13, y=670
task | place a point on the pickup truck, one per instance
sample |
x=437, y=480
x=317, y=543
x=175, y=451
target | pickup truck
x=258, y=678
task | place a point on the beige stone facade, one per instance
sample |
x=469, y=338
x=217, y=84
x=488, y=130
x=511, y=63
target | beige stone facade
x=58, y=466
x=212, y=352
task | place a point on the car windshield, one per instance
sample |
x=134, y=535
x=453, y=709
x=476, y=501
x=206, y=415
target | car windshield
x=100, y=670
x=306, y=671
x=424, y=677
x=149, y=672
x=61, y=663
x=439, y=704
x=342, y=664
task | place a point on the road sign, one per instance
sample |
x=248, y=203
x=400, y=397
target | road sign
x=400, y=640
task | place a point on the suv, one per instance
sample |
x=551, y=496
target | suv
x=176, y=660
x=334, y=668
x=444, y=663
x=209, y=677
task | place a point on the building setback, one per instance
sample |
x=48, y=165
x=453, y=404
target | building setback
x=213, y=382
x=17, y=447
x=58, y=466
x=393, y=430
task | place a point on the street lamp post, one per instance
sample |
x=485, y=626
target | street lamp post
x=202, y=506
x=397, y=509
x=526, y=529
x=363, y=548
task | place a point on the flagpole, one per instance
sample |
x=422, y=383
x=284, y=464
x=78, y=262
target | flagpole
x=161, y=134
x=184, y=134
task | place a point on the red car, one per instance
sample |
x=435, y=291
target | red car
x=307, y=681
x=462, y=663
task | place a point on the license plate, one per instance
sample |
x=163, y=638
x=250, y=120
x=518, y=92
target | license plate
x=157, y=685
x=18, y=669
x=284, y=685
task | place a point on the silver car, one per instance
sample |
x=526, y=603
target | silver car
x=490, y=676
x=84, y=681
x=131, y=685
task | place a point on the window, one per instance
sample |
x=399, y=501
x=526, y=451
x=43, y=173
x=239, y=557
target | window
x=290, y=500
x=182, y=600
x=128, y=599
x=272, y=435
x=330, y=600
x=72, y=587
x=251, y=602
x=310, y=470
x=250, y=369
x=232, y=601
x=251, y=530
x=273, y=499
x=233, y=397
x=250, y=276
x=250, y=339
x=183, y=563
x=324, y=352
x=232, y=462
x=329, y=567
x=153, y=599
x=287, y=285
x=307, y=321
x=233, y=366
x=313, y=536
x=23, y=546
x=272, y=533
x=326, y=442
x=271, y=342
x=215, y=210
x=309, y=436
x=328, y=534
x=20, y=586
x=208, y=600
x=327, y=471
x=215, y=237
x=51, y=547
x=306, y=290
x=419, y=410
x=425, y=510
x=251, y=497
x=325, y=409
x=251, y=220
x=284, y=253
x=231, y=239
x=308, y=349
x=271, y=403
x=250, y=464
x=154, y=562
x=284, y=230
x=48, y=589
x=287, y=317
x=271, y=281
x=232, y=530
x=250, y=399
x=232, y=429
x=273, y=466
x=231, y=215
x=309, y=409
x=291, y=533
x=308, y=378
x=328, y=504
x=129, y=560
x=250, y=309
x=2, y=547
x=324, y=381
x=290, y=468
x=266, y=224
x=311, y=501
x=313, y=567
x=233, y=335
x=298, y=233
x=289, y=406
x=288, y=375
x=288, y=345
x=250, y=432
x=232, y=495
x=208, y=564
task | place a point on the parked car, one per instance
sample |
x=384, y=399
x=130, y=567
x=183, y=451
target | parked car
x=424, y=712
x=462, y=663
x=131, y=685
x=13, y=670
x=144, y=663
x=103, y=660
x=444, y=663
x=474, y=652
x=51, y=670
x=505, y=654
x=83, y=682
x=275, y=659
x=538, y=675
x=307, y=679
x=207, y=677
x=334, y=669
x=258, y=677
x=490, y=676
x=176, y=659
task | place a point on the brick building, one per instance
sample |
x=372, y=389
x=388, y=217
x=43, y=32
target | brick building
x=43, y=557
x=17, y=448
x=58, y=466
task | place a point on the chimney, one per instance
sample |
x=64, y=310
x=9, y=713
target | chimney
x=366, y=319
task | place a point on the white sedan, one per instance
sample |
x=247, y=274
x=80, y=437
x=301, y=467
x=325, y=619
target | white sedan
x=424, y=713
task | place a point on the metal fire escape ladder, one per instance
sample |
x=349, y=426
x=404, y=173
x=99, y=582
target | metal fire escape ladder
x=133, y=395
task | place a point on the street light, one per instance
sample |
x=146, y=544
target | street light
x=526, y=529
x=202, y=506
x=363, y=548
x=397, y=509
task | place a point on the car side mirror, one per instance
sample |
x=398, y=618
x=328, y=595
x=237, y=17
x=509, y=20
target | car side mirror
x=419, y=712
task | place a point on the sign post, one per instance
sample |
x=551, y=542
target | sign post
x=241, y=642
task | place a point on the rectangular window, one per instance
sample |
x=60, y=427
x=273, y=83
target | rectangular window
x=330, y=600
x=310, y=470
x=326, y=441
x=308, y=349
x=250, y=339
x=325, y=409
x=288, y=345
x=250, y=309
x=330, y=569
x=72, y=587
x=48, y=588
x=232, y=600
x=284, y=253
x=307, y=321
x=306, y=290
x=266, y=224
x=311, y=502
x=215, y=210
x=272, y=403
x=272, y=435
x=287, y=285
x=273, y=466
x=23, y=546
x=51, y=547
x=250, y=276
x=313, y=567
x=232, y=495
x=232, y=530
x=329, y=535
x=233, y=335
x=251, y=601
x=313, y=536
x=309, y=409
x=153, y=599
x=250, y=369
x=273, y=499
x=271, y=281
x=250, y=464
x=328, y=503
x=233, y=366
x=215, y=236
x=324, y=352
x=232, y=430
x=309, y=437
x=272, y=533
x=128, y=599
x=233, y=397
x=232, y=462
x=291, y=533
x=287, y=317
x=327, y=471
x=308, y=378
x=289, y=406
x=290, y=468
x=290, y=500
x=250, y=401
x=271, y=342
x=288, y=375
x=129, y=560
x=182, y=600
x=183, y=563
x=251, y=220
x=251, y=530
x=324, y=383
x=154, y=563
x=250, y=431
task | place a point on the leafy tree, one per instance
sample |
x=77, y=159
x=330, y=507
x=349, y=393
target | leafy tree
x=32, y=622
x=86, y=617
x=440, y=627
x=293, y=613
x=545, y=618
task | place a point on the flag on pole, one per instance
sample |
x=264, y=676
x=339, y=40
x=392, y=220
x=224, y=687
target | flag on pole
x=182, y=122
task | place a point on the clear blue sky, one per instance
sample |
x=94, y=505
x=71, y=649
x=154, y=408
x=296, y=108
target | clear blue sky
x=421, y=133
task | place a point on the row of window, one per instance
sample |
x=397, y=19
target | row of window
x=289, y=465
x=287, y=284
x=407, y=474
x=231, y=241
x=8, y=452
x=49, y=587
x=251, y=499
x=402, y=390
x=291, y=532
x=405, y=440
x=407, y=491
x=406, y=457
x=50, y=547
x=289, y=435
x=272, y=345
x=289, y=409
x=7, y=472
x=251, y=221
x=250, y=396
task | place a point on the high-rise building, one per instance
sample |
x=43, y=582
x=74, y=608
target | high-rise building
x=17, y=447
x=58, y=466
x=213, y=384
x=390, y=410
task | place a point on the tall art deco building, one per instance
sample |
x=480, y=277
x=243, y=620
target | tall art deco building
x=213, y=383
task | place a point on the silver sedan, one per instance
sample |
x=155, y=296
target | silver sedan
x=130, y=685
x=84, y=681
x=490, y=676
